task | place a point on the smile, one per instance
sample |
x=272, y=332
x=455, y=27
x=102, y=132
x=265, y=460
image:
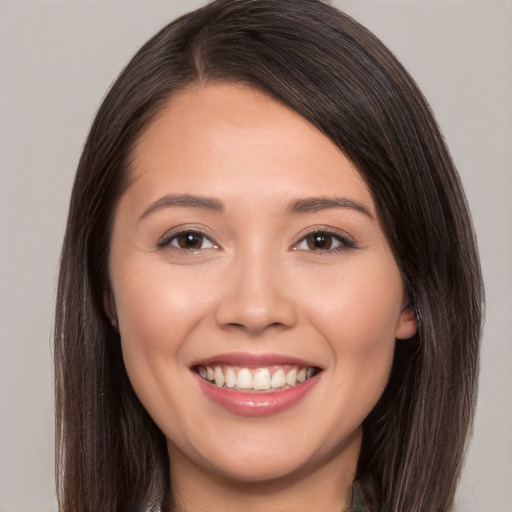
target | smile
x=267, y=379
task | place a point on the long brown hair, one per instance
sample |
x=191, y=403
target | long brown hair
x=340, y=77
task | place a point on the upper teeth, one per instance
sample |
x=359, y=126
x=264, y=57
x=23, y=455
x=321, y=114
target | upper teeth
x=259, y=379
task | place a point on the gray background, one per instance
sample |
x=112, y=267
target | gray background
x=57, y=59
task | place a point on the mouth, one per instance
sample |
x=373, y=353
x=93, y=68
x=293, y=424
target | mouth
x=256, y=385
x=261, y=379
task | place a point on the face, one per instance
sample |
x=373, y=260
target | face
x=257, y=298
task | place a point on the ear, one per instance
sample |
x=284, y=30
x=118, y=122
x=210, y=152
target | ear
x=407, y=324
x=109, y=306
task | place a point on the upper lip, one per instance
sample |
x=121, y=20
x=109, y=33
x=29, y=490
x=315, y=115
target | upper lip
x=249, y=360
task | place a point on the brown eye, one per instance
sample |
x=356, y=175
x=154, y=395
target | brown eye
x=190, y=240
x=319, y=241
x=324, y=242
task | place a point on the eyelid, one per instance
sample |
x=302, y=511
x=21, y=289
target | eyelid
x=347, y=241
x=165, y=239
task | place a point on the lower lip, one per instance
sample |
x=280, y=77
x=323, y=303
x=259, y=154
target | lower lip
x=257, y=404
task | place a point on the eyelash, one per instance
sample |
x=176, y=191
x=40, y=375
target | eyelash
x=344, y=242
x=168, y=238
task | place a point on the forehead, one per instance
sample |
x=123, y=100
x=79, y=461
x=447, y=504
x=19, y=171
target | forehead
x=222, y=139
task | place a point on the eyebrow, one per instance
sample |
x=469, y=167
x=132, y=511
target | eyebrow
x=310, y=204
x=184, y=201
x=317, y=204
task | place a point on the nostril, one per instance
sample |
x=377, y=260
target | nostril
x=255, y=327
x=254, y=308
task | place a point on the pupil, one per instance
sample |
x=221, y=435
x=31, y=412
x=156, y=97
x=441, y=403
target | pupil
x=319, y=241
x=190, y=241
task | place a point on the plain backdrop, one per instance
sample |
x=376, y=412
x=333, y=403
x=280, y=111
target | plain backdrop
x=57, y=58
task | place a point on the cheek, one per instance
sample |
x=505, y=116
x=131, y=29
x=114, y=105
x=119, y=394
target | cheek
x=146, y=310
x=156, y=307
x=359, y=311
x=156, y=313
x=357, y=314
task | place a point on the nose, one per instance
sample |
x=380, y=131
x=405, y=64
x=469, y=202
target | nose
x=255, y=296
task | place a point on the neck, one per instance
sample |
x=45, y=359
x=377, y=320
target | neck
x=323, y=487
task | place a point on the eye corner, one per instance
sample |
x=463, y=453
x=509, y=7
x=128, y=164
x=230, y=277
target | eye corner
x=334, y=242
x=187, y=240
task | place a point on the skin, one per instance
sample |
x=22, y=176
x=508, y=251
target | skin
x=253, y=285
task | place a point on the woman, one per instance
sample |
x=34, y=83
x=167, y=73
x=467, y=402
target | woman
x=269, y=294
